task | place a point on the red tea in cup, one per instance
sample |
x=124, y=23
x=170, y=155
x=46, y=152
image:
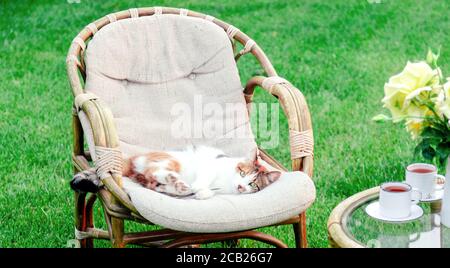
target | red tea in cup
x=421, y=170
x=395, y=189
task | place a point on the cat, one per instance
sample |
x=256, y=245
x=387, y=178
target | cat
x=200, y=171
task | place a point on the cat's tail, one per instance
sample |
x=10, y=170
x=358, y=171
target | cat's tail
x=86, y=181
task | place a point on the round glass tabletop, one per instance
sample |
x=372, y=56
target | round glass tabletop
x=424, y=232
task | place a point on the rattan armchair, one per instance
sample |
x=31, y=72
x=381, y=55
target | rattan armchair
x=116, y=204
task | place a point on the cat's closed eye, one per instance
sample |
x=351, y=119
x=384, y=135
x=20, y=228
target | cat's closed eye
x=254, y=186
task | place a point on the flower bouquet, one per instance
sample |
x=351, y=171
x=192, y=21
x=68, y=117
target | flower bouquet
x=420, y=98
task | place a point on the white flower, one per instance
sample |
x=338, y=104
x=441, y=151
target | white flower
x=443, y=100
x=415, y=80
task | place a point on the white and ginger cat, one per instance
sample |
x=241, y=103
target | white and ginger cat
x=202, y=171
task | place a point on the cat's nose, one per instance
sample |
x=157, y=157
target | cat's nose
x=241, y=188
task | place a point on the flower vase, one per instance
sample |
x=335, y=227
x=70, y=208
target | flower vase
x=445, y=211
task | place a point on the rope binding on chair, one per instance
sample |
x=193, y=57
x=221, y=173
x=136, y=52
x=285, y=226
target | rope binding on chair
x=93, y=28
x=302, y=143
x=158, y=10
x=112, y=18
x=79, y=41
x=73, y=58
x=80, y=235
x=109, y=161
x=209, y=18
x=183, y=12
x=232, y=31
x=134, y=13
x=248, y=46
x=269, y=82
x=82, y=98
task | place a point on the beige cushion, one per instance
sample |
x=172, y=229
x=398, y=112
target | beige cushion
x=292, y=194
x=142, y=67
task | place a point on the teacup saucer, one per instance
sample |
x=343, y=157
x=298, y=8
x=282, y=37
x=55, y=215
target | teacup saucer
x=373, y=210
x=436, y=196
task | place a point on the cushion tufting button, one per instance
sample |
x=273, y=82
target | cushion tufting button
x=192, y=76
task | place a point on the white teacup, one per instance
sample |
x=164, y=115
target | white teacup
x=424, y=178
x=396, y=200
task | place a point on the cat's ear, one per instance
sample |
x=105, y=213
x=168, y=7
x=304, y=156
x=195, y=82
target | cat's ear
x=273, y=175
x=239, y=167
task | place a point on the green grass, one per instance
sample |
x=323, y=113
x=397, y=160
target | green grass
x=339, y=53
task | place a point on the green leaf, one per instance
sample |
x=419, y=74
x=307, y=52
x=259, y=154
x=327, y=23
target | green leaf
x=433, y=133
x=433, y=58
x=430, y=58
x=418, y=149
x=425, y=143
x=442, y=162
x=428, y=153
x=381, y=118
x=443, y=150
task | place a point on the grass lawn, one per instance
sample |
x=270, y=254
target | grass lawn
x=339, y=53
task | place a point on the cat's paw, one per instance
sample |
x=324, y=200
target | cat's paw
x=165, y=176
x=204, y=194
x=182, y=188
x=172, y=178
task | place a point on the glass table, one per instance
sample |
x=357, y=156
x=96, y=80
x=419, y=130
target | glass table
x=350, y=226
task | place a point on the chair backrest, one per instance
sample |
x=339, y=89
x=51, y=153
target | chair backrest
x=170, y=81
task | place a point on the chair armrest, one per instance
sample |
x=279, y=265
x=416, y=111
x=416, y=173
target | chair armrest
x=296, y=110
x=108, y=160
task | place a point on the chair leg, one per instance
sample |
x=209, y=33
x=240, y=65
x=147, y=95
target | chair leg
x=300, y=232
x=84, y=217
x=90, y=218
x=117, y=228
x=80, y=215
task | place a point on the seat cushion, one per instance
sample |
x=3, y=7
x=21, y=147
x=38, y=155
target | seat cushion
x=292, y=194
x=170, y=81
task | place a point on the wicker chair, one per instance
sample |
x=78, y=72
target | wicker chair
x=99, y=131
